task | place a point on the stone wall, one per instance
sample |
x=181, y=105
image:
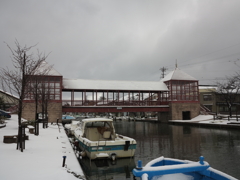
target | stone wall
x=163, y=117
x=28, y=112
x=54, y=111
x=177, y=109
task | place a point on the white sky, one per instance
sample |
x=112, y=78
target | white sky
x=127, y=40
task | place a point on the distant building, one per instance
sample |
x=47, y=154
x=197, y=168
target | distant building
x=214, y=101
x=207, y=95
x=50, y=86
x=9, y=100
x=183, y=95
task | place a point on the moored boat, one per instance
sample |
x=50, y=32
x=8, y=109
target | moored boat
x=69, y=128
x=96, y=137
x=168, y=168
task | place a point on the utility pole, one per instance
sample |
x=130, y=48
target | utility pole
x=163, y=69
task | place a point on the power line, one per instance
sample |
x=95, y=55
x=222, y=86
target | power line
x=210, y=60
x=209, y=54
x=213, y=52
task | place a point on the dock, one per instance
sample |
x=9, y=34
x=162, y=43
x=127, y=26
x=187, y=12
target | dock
x=46, y=156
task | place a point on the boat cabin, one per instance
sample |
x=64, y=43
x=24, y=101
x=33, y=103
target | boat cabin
x=98, y=129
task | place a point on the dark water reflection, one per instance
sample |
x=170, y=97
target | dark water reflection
x=221, y=148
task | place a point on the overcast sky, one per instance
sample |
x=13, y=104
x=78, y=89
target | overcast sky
x=127, y=39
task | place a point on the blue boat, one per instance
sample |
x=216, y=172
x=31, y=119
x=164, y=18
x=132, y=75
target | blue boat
x=168, y=168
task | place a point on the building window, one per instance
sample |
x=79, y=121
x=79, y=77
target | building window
x=207, y=97
x=225, y=108
x=183, y=90
x=49, y=86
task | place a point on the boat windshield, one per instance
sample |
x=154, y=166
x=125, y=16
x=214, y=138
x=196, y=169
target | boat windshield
x=98, y=124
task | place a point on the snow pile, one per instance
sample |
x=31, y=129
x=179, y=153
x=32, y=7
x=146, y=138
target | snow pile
x=178, y=176
x=42, y=157
x=208, y=119
x=196, y=119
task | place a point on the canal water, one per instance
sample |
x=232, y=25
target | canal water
x=220, y=148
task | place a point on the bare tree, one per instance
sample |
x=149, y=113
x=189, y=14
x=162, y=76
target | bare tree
x=228, y=91
x=102, y=98
x=17, y=80
x=38, y=86
x=45, y=97
x=2, y=103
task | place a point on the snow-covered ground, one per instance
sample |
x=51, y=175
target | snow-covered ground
x=42, y=157
x=208, y=119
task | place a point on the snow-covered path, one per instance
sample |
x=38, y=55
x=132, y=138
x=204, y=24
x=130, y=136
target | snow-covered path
x=42, y=157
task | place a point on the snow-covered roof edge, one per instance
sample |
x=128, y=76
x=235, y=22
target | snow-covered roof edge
x=114, y=85
x=7, y=93
x=177, y=74
x=208, y=87
x=48, y=69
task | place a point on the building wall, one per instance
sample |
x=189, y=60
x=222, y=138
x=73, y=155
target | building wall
x=163, y=117
x=28, y=112
x=210, y=102
x=9, y=101
x=54, y=111
x=177, y=109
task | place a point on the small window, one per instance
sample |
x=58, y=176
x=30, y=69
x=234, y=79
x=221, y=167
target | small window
x=207, y=97
x=57, y=91
x=57, y=97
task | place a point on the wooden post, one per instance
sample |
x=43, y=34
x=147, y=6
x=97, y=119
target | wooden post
x=236, y=113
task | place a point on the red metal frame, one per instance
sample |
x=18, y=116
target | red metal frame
x=116, y=98
x=181, y=90
x=52, y=84
x=116, y=109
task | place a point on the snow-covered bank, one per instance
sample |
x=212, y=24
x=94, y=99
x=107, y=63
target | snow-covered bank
x=208, y=120
x=42, y=157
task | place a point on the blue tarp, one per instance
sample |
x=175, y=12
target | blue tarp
x=68, y=117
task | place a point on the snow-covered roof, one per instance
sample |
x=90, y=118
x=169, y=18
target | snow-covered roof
x=47, y=69
x=114, y=85
x=177, y=74
x=96, y=119
x=9, y=94
x=208, y=88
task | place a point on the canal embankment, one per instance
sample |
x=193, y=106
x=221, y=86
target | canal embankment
x=209, y=121
x=203, y=121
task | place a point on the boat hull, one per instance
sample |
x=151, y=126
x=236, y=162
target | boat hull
x=162, y=167
x=105, y=149
x=96, y=138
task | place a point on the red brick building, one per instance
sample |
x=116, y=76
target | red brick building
x=174, y=97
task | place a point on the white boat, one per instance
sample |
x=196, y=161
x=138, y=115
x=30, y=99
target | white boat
x=70, y=128
x=96, y=137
